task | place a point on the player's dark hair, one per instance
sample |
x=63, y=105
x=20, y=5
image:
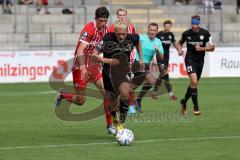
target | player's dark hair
x=101, y=12
x=196, y=17
x=153, y=24
x=167, y=22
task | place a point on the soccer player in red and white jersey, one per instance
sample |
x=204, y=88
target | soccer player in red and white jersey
x=84, y=69
x=122, y=16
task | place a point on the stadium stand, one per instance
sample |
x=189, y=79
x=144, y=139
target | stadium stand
x=25, y=29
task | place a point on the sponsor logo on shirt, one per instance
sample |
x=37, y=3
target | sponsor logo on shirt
x=84, y=35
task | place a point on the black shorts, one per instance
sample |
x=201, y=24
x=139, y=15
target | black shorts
x=194, y=67
x=111, y=85
x=139, y=75
x=165, y=60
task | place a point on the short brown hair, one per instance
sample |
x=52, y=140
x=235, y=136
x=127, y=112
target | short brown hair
x=121, y=9
x=153, y=24
x=167, y=22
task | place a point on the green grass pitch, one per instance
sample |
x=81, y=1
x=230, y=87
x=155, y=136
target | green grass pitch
x=29, y=129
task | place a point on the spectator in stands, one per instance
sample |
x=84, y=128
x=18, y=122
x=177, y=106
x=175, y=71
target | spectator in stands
x=217, y=4
x=178, y=2
x=42, y=7
x=26, y=2
x=238, y=6
x=187, y=2
x=6, y=6
x=65, y=10
x=208, y=6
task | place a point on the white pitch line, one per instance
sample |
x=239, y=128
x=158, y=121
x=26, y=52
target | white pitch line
x=26, y=93
x=106, y=143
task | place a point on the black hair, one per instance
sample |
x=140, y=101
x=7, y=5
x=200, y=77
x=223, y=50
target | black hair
x=196, y=17
x=101, y=12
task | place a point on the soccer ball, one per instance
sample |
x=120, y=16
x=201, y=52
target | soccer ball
x=124, y=137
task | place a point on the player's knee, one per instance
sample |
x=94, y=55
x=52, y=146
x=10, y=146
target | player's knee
x=125, y=96
x=150, y=79
x=194, y=83
x=80, y=100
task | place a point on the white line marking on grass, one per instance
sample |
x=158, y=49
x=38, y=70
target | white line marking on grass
x=107, y=143
x=26, y=93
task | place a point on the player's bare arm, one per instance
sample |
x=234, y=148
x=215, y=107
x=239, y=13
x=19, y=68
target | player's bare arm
x=208, y=48
x=175, y=44
x=159, y=55
x=179, y=47
x=96, y=57
x=80, y=59
x=139, y=50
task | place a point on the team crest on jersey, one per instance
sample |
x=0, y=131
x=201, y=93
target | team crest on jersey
x=101, y=42
x=201, y=37
x=84, y=35
x=170, y=37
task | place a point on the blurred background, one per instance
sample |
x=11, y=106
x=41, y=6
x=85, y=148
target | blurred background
x=42, y=33
x=27, y=28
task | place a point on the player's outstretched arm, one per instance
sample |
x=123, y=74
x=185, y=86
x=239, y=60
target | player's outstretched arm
x=96, y=57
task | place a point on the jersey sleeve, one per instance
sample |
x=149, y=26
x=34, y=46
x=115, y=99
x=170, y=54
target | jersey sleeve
x=86, y=34
x=183, y=38
x=158, y=35
x=173, y=38
x=133, y=29
x=135, y=39
x=160, y=47
x=111, y=28
x=209, y=38
x=104, y=40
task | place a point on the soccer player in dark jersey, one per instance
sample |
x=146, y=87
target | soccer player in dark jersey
x=198, y=41
x=116, y=47
x=167, y=38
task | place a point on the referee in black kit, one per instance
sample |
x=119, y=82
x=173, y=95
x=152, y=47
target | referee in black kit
x=198, y=41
